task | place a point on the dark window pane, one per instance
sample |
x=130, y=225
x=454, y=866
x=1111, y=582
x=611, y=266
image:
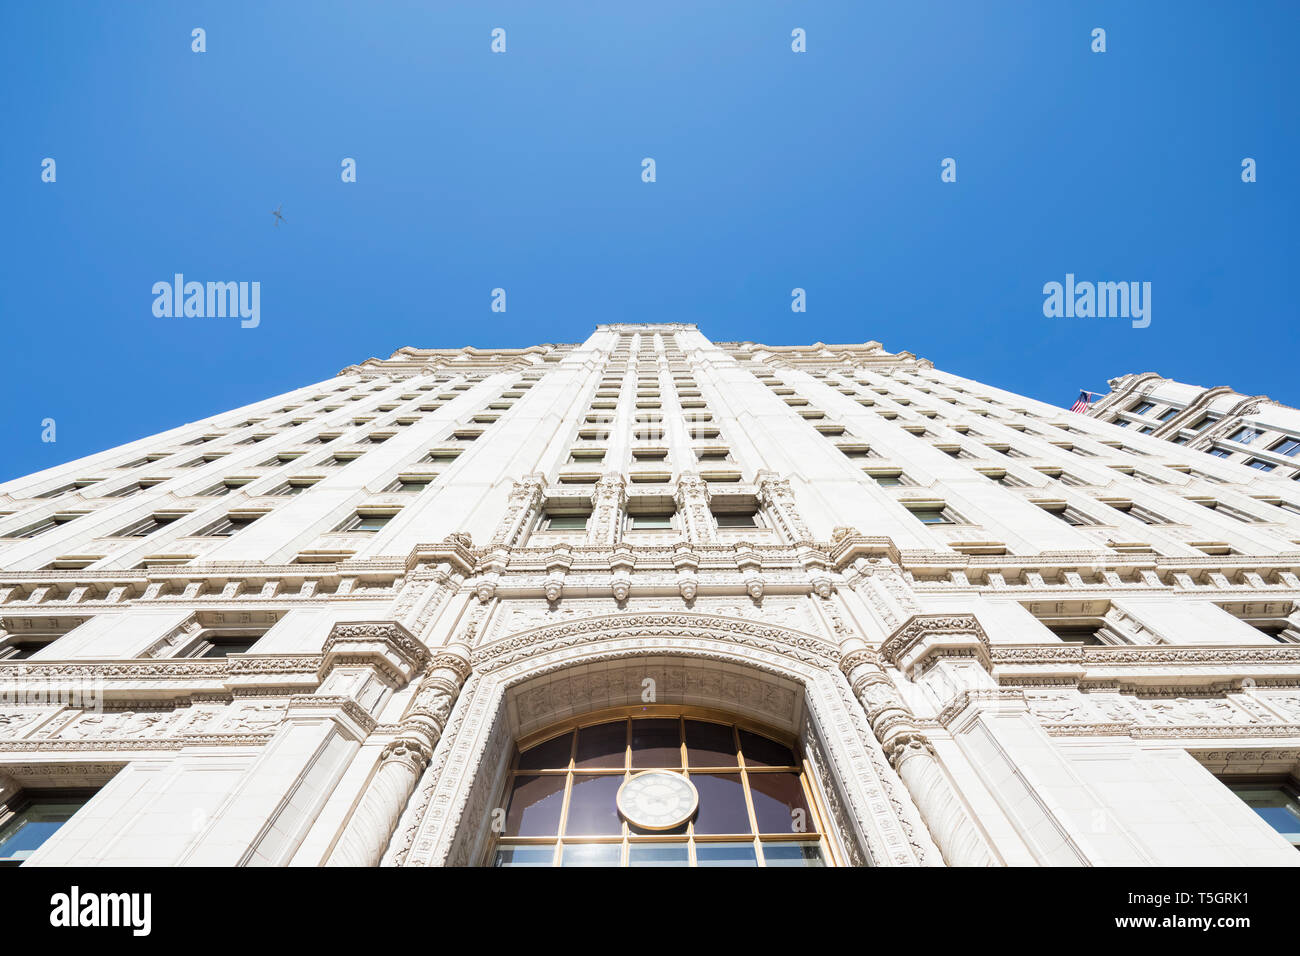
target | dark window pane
x=722, y=803
x=725, y=854
x=658, y=854
x=591, y=854
x=709, y=745
x=763, y=752
x=779, y=804
x=792, y=854
x=224, y=648
x=535, y=806
x=656, y=743
x=602, y=746
x=593, y=809
x=552, y=754
x=524, y=856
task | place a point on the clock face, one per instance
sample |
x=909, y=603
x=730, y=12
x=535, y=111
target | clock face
x=657, y=800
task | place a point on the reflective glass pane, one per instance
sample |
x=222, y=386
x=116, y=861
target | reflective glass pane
x=551, y=755
x=656, y=743
x=779, y=803
x=709, y=745
x=593, y=810
x=658, y=854
x=722, y=803
x=524, y=856
x=792, y=854
x=602, y=746
x=725, y=854
x=535, y=805
x=762, y=751
x=591, y=854
x=35, y=824
x=1276, y=807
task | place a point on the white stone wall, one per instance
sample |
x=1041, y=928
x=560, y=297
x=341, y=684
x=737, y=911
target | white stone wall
x=944, y=720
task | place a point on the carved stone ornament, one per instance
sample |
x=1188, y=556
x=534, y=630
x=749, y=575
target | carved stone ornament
x=925, y=636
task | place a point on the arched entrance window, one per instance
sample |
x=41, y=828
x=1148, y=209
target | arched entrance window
x=660, y=787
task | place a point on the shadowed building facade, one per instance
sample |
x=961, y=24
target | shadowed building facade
x=649, y=600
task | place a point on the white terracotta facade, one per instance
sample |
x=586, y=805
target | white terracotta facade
x=1253, y=430
x=925, y=552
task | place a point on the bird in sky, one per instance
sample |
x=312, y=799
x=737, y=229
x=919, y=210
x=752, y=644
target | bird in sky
x=276, y=213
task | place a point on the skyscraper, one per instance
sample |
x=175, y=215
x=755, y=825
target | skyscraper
x=649, y=600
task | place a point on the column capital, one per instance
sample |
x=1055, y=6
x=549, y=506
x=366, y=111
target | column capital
x=386, y=646
x=922, y=638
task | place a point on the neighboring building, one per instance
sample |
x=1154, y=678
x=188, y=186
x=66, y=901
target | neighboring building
x=1251, y=429
x=656, y=600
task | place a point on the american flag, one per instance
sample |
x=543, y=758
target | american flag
x=1082, y=402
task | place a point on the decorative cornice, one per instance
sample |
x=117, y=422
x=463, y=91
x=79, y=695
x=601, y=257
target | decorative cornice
x=1031, y=655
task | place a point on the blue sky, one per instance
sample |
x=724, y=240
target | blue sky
x=775, y=170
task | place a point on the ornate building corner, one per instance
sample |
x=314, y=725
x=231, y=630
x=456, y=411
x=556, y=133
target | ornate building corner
x=912, y=755
x=370, y=828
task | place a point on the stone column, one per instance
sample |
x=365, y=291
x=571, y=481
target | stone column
x=775, y=495
x=607, y=503
x=372, y=823
x=525, y=499
x=910, y=754
x=692, y=501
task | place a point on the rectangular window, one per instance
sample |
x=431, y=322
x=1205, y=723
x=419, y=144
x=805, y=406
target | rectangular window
x=1141, y=514
x=658, y=521
x=229, y=525
x=217, y=643
x=1278, y=806
x=1141, y=408
x=19, y=650
x=736, y=519
x=1169, y=413
x=41, y=527
x=33, y=816
x=1077, y=634
x=366, y=522
x=931, y=515
x=147, y=526
x=1260, y=464
x=1070, y=516
x=1287, y=446
x=562, y=522
x=409, y=484
x=291, y=488
x=55, y=492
